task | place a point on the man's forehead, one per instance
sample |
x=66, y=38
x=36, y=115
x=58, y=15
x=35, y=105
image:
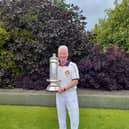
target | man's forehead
x=63, y=50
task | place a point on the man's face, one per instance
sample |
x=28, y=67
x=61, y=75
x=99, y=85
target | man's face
x=63, y=55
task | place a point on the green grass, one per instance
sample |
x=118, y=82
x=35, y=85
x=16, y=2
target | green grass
x=29, y=117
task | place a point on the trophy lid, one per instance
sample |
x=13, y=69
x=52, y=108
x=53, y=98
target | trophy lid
x=54, y=58
x=54, y=55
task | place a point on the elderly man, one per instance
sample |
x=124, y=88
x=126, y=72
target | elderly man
x=66, y=96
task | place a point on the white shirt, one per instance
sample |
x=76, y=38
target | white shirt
x=67, y=73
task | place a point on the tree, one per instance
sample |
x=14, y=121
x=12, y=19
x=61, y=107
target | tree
x=8, y=69
x=115, y=28
x=36, y=29
x=61, y=4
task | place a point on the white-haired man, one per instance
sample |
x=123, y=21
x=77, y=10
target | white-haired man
x=66, y=96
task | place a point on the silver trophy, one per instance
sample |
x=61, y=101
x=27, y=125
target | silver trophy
x=53, y=74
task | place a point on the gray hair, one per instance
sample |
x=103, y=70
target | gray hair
x=63, y=46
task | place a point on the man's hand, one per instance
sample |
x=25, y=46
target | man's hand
x=61, y=90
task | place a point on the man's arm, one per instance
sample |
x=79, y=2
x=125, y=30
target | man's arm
x=70, y=85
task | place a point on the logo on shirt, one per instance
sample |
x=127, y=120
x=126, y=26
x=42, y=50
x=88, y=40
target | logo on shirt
x=67, y=73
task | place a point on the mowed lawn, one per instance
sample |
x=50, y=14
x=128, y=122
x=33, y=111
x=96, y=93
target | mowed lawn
x=30, y=117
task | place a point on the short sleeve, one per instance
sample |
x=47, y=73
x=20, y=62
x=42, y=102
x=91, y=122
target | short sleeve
x=75, y=72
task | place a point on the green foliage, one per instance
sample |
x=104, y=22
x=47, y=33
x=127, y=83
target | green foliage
x=4, y=36
x=115, y=28
x=23, y=35
x=62, y=4
x=8, y=69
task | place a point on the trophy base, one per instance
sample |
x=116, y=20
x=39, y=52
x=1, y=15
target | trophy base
x=52, y=88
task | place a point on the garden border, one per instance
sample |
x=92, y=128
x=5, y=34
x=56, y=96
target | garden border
x=87, y=98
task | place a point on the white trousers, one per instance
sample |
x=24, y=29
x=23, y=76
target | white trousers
x=67, y=100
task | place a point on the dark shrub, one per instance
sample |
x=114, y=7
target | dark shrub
x=107, y=70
